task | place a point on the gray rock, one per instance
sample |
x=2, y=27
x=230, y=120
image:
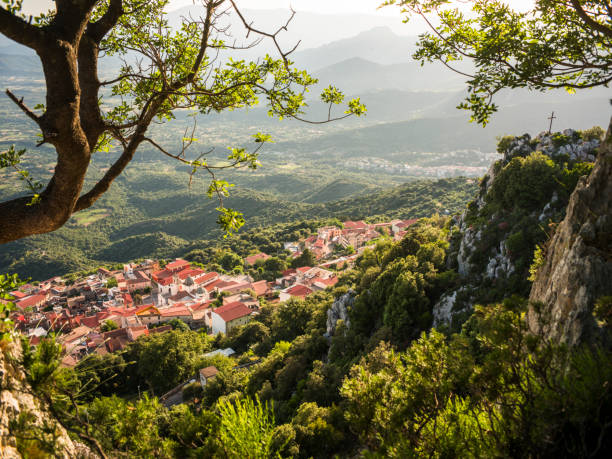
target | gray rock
x=339, y=311
x=578, y=265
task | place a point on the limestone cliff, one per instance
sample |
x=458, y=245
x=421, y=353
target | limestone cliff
x=521, y=198
x=26, y=427
x=340, y=311
x=578, y=265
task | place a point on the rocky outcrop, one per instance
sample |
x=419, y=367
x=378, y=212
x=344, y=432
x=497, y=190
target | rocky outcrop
x=443, y=309
x=481, y=250
x=24, y=422
x=578, y=265
x=340, y=311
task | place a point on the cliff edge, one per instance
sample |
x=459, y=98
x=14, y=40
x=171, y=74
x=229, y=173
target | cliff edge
x=577, y=269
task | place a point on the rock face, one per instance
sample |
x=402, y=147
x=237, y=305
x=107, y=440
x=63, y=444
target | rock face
x=578, y=264
x=17, y=400
x=482, y=251
x=339, y=311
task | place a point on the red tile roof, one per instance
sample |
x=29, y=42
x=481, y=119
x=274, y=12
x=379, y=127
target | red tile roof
x=209, y=277
x=252, y=259
x=407, y=223
x=199, y=306
x=184, y=273
x=178, y=263
x=260, y=287
x=304, y=269
x=299, y=290
x=210, y=287
x=127, y=298
x=358, y=225
x=233, y=311
x=138, y=331
x=181, y=311
x=329, y=281
x=162, y=277
x=91, y=322
x=30, y=301
x=17, y=294
x=179, y=296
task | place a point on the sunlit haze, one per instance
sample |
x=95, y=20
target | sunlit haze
x=319, y=6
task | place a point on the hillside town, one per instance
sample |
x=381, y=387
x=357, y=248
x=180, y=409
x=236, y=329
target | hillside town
x=107, y=309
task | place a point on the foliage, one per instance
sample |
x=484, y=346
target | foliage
x=108, y=325
x=167, y=223
x=164, y=70
x=493, y=390
x=307, y=258
x=7, y=285
x=386, y=385
x=247, y=428
x=553, y=45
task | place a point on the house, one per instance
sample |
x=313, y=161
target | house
x=121, y=283
x=234, y=287
x=200, y=313
x=17, y=295
x=178, y=311
x=252, y=259
x=75, y=337
x=32, y=301
x=244, y=298
x=298, y=290
x=260, y=288
x=137, y=280
x=148, y=314
x=104, y=273
x=206, y=374
x=230, y=316
x=356, y=226
x=397, y=226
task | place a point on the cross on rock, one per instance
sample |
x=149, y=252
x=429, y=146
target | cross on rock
x=552, y=117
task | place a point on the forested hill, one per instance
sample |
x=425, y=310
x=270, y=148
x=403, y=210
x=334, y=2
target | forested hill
x=134, y=220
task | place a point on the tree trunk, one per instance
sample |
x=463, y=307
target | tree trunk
x=578, y=266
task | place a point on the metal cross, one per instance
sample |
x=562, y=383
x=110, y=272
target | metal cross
x=552, y=117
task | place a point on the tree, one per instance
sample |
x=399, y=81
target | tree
x=563, y=44
x=229, y=261
x=164, y=70
x=108, y=325
x=556, y=45
x=307, y=258
x=112, y=282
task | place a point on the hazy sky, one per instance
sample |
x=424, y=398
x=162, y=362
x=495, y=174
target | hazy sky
x=320, y=6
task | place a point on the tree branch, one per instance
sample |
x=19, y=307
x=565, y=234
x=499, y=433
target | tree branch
x=592, y=23
x=18, y=30
x=33, y=116
x=97, y=30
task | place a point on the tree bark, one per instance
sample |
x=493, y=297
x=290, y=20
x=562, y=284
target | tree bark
x=72, y=122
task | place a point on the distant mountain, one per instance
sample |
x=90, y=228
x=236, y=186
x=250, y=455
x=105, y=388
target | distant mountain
x=357, y=75
x=311, y=29
x=451, y=130
x=379, y=45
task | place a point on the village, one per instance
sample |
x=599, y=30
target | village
x=105, y=311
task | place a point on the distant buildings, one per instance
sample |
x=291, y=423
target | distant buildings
x=142, y=299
